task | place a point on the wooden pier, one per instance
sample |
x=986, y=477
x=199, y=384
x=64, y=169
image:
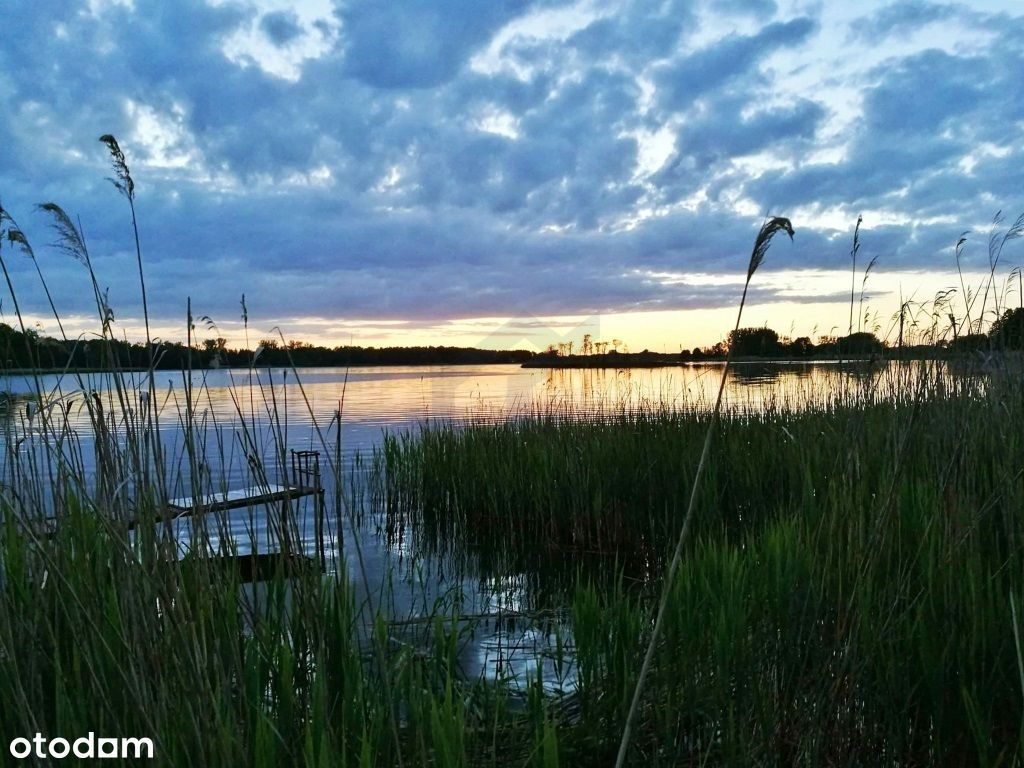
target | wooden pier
x=305, y=481
x=241, y=497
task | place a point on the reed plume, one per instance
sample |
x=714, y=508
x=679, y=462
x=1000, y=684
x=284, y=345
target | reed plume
x=762, y=243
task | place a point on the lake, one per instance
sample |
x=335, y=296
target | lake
x=373, y=400
x=241, y=415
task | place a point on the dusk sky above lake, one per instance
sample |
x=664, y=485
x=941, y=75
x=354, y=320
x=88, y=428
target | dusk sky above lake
x=509, y=174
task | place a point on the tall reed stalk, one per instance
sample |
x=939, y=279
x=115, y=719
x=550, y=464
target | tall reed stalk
x=761, y=244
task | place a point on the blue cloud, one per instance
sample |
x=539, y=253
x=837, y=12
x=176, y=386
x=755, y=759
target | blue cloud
x=392, y=178
x=281, y=27
x=685, y=80
x=762, y=8
x=925, y=113
x=418, y=43
x=640, y=32
x=899, y=19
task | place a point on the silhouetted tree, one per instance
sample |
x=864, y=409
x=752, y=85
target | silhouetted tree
x=969, y=342
x=760, y=342
x=862, y=343
x=802, y=346
x=1007, y=332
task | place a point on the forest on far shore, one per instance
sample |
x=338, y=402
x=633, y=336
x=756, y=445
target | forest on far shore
x=23, y=350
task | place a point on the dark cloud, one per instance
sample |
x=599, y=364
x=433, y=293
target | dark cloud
x=923, y=118
x=281, y=27
x=419, y=43
x=897, y=19
x=685, y=80
x=708, y=143
x=638, y=33
x=762, y=8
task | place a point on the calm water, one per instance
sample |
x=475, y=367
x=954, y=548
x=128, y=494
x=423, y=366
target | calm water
x=241, y=415
x=373, y=400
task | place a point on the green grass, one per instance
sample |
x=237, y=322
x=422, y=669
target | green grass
x=845, y=597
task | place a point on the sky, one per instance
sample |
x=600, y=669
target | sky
x=509, y=173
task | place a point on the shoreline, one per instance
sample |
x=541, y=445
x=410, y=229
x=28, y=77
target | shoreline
x=652, y=360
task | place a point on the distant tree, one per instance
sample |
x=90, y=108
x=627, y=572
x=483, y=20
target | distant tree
x=1007, y=332
x=587, y=347
x=760, y=342
x=969, y=342
x=860, y=343
x=802, y=346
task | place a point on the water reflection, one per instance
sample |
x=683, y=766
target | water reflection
x=373, y=399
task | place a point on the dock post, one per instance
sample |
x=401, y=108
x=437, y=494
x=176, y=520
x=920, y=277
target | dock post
x=306, y=477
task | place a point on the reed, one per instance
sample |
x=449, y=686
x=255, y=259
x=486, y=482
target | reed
x=845, y=594
x=109, y=627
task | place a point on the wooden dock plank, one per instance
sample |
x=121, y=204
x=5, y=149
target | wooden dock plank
x=240, y=497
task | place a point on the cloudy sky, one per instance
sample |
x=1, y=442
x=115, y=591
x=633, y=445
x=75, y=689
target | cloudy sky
x=505, y=172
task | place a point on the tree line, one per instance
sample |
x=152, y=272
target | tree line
x=1005, y=333
x=32, y=350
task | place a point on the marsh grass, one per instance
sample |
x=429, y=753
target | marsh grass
x=848, y=592
x=845, y=596
x=115, y=621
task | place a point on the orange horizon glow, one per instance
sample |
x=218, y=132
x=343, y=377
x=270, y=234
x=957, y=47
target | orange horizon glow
x=654, y=330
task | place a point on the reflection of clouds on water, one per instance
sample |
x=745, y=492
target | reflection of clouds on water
x=518, y=646
x=521, y=654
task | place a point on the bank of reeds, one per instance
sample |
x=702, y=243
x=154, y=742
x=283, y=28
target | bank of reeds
x=116, y=621
x=846, y=597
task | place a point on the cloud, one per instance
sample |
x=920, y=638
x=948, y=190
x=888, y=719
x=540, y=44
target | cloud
x=924, y=115
x=438, y=160
x=418, y=43
x=898, y=19
x=639, y=32
x=688, y=78
x=281, y=27
x=707, y=144
x=762, y=8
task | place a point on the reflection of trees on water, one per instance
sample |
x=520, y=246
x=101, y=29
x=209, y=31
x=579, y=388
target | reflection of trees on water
x=747, y=374
x=588, y=388
x=14, y=406
x=859, y=370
